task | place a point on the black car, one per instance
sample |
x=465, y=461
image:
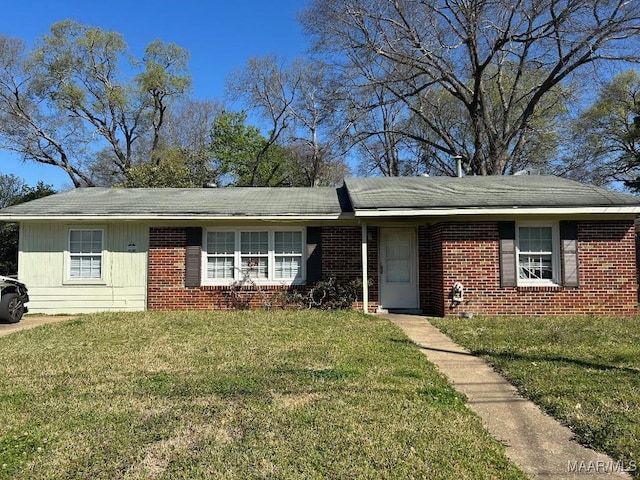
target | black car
x=13, y=297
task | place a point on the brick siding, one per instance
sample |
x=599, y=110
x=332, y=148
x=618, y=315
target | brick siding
x=465, y=252
x=166, y=278
x=341, y=252
x=342, y=258
x=469, y=253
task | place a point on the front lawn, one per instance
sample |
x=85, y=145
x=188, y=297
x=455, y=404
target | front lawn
x=235, y=395
x=585, y=371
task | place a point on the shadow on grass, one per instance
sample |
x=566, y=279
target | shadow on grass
x=517, y=356
x=541, y=358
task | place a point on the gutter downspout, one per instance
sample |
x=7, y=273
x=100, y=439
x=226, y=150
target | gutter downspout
x=365, y=279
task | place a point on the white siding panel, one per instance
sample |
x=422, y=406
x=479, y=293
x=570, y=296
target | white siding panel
x=127, y=269
x=73, y=299
x=42, y=267
x=41, y=254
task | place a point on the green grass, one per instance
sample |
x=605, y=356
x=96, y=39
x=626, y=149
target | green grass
x=236, y=395
x=585, y=371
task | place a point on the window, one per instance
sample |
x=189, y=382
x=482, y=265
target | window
x=264, y=256
x=254, y=255
x=85, y=254
x=221, y=255
x=287, y=254
x=536, y=254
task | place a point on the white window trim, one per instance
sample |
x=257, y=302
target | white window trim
x=271, y=256
x=555, y=255
x=268, y=255
x=67, y=258
x=206, y=256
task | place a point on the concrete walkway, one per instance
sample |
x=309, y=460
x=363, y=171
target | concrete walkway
x=28, y=322
x=533, y=440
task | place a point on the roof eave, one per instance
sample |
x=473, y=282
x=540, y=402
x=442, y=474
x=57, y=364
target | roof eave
x=442, y=212
x=172, y=217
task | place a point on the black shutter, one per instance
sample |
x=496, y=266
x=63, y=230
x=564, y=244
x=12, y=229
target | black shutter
x=193, y=261
x=314, y=255
x=569, y=253
x=508, y=265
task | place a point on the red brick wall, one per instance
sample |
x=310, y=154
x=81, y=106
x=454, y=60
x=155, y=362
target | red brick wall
x=372, y=270
x=430, y=274
x=166, y=261
x=447, y=253
x=342, y=258
x=341, y=253
x=166, y=290
x=469, y=251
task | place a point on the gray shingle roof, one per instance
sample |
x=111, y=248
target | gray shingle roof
x=187, y=202
x=365, y=195
x=479, y=192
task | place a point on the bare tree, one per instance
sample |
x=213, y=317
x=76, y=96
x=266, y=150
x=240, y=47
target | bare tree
x=298, y=101
x=182, y=155
x=375, y=130
x=27, y=125
x=263, y=86
x=68, y=104
x=478, y=57
x=188, y=124
x=313, y=110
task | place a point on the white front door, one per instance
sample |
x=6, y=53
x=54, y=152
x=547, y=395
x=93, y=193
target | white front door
x=398, y=268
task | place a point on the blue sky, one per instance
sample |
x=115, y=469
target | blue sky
x=221, y=36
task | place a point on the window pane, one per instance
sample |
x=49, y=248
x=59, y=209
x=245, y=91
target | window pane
x=75, y=241
x=288, y=242
x=254, y=243
x=85, y=254
x=96, y=241
x=220, y=267
x=398, y=270
x=85, y=241
x=536, y=267
x=398, y=257
x=97, y=267
x=524, y=239
x=287, y=267
x=535, y=239
x=74, y=267
x=86, y=267
x=221, y=243
x=255, y=267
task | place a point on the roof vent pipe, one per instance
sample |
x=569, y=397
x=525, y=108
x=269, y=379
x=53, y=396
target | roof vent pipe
x=458, y=159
